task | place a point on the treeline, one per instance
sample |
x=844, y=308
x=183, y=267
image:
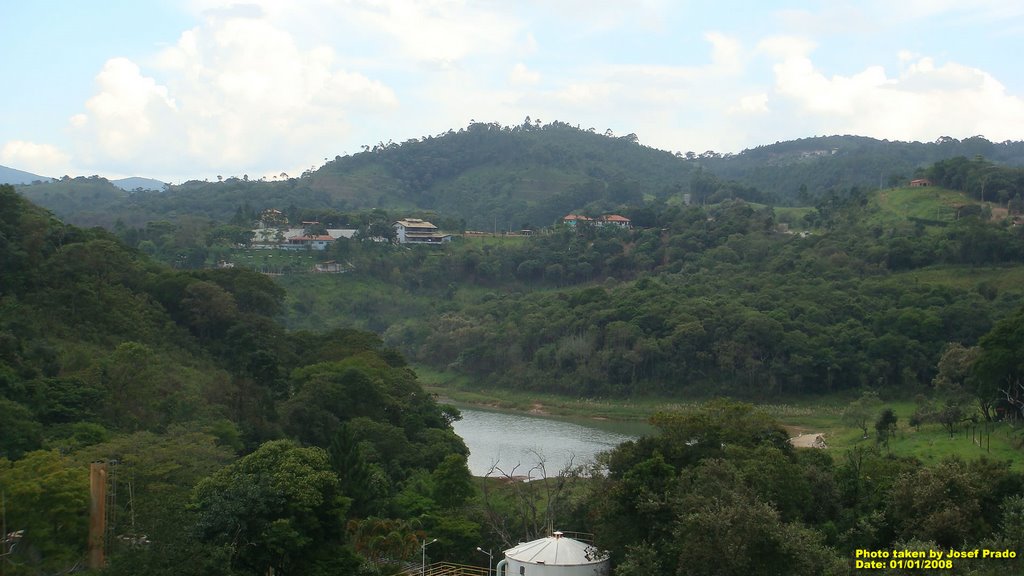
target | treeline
x=981, y=179
x=234, y=446
x=485, y=174
x=798, y=172
x=492, y=176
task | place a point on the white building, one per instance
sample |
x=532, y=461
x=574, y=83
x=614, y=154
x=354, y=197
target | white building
x=320, y=242
x=416, y=231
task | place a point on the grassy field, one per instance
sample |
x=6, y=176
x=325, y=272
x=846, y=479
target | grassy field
x=897, y=205
x=490, y=240
x=792, y=214
x=930, y=443
x=275, y=261
x=1003, y=278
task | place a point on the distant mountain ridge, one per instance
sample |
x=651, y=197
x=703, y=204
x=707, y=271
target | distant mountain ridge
x=490, y=176
x=15, y=176
x=138, y=183
x=20, y=177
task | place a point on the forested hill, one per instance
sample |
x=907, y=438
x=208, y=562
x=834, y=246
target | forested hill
x=529, y=174
x=105, y=355
x=488, y=176
x=701, y=299
x=485, y=175
x=798, y=171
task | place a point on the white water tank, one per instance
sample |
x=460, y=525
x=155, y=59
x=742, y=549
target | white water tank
x=555, y=555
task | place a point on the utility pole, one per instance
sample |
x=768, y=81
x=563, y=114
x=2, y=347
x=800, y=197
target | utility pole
x=423, y=558
x=97, y=514
x=490, y=559
x=3, y=533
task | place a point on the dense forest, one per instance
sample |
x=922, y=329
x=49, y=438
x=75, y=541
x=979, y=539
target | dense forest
x=236, y=446
x=701, y=300
x=797, y=170
x=722, y=492
x=487, y=176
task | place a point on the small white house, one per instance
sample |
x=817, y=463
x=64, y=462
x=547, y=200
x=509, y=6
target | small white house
x=337, y=233
x=417, y=231
x=319, y=242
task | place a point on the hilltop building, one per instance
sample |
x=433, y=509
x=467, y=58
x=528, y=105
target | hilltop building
x=417, y=231
x=606, y=220
x=315, y=242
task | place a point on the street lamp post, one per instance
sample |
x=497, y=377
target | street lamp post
x=490, y=559
x=423, y=557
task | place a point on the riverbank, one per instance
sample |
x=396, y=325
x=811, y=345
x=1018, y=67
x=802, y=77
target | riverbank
x=815, y=416
x=459, y=390
x=804, y=415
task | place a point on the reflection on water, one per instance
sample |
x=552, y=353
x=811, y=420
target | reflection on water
x=511, y=440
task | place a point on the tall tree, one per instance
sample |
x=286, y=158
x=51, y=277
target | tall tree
x=278, y=508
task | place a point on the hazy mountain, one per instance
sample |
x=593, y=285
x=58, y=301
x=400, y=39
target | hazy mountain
x=91, y=201
x=136, y=183
x=13, y=176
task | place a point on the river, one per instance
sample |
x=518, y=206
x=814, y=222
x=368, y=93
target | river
x=516, y=442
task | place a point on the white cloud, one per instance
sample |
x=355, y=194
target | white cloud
x=261, y=86
x=42, y=159
x=602, y=16
x=726, y=53
x=586, y=93
x=907, y=56
x=129, y=112
x=520, y=74
x=782, y=47
x=751, y=104
x=922, y=101
x=236, y=94
x=439, y=32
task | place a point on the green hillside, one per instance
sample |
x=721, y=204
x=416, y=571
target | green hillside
x=84, y=201
x=922, y=203
x=798, y=170
x=486, y=175
x=701, y=300
x=489, y=176
x=256, y=427
x=218, y=427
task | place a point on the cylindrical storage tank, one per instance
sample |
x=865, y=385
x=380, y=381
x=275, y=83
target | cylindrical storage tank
x=555, y=555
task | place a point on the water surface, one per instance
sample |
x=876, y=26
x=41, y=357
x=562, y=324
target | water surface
x=517, y=443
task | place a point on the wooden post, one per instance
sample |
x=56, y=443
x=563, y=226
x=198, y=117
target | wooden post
x=97, y=514
x=3, y=533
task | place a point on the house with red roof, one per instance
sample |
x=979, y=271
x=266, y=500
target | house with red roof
x=616, y=220
x=608, y=219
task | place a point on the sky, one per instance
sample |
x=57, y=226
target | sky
x=193, y=89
